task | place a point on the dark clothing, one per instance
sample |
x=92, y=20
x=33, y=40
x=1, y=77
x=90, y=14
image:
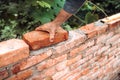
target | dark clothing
x=72, y=6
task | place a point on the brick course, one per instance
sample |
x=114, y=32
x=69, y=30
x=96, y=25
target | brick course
x=12, y=51
x=91, y=52
x=39, y=39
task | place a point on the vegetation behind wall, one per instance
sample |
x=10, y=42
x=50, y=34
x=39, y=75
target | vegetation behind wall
x=21, y=16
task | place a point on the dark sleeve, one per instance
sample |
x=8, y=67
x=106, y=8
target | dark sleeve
x=72, y=6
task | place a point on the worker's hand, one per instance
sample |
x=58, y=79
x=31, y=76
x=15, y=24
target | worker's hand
x=49, y=27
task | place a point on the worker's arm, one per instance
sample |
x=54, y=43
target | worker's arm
x=70, y=8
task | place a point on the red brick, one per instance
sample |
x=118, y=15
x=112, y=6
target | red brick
x=108, y=51
x=114, y=23
x=93, y=60
x=31, y=61
x=112, y=39
x=108, y=69
x=72, y=42
x=44, y=74
x=104, y=37
x=101, y=50
x=85, y=65
x=77, y=50
x=79, y=63
x=22, y=75
x=37, y=76
x=72, y=77
x=60, y=74
x=116, y=43
x=84, y=78
x=85, y=71
x=77, y=76
x=62, y=65
x=101, y=29
x=113, y=53
x=49, y=72
x=95, y=69
x=81, y=48
x=89, y=29
x=51, y=62
x=3, y=74
x=90, y=43
x=82, y=73
x=74, y=60
x=76, y=70
x=48, y=78
x=92, y=50
x=103, y=61
x=101, y=38
x=110, y=34
x=12, y=51
x=39, y=39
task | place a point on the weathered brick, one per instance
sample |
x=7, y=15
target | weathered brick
x=31, y=61
x=22, y=75
x=101, y=38
x=92, y=49
x=48, y=78
x=12, y=51
x=116, y=43
x=108, y=51
x=44, y=75
x=85, y=65
x=113, y=53
x=85, y=71
x=72, y=77
x=79, y=75
x=95, y=69
x=110, y=34
x=89, y=30
x=39, y=39
x=108, y=69
x=114, y=23
x=77, y=50
x=49, y=72
x=72, y=42
x=76, y=70
x=94, y=59
x=81, y=48
x=90, y=43
x=36, y=76
x=82, y=73
x=104, y=37
x=3, y=74
x=62, y=65
x=79, y=62
x=101, y=27
x=51, y=62
x=60, y=74
x=74, y=60
x=112, y=39
x=94, y=29
x=111, y=18
x=84, y=78
x=101, y=50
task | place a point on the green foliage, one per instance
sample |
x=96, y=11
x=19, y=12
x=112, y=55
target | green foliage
x=109, y=6
x=20, y=16
x=44, y=4
x=8, y=31
x=90, y=17
x=86, y=14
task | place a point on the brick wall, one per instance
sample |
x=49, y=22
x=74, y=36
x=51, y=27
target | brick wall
x=91, y=52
